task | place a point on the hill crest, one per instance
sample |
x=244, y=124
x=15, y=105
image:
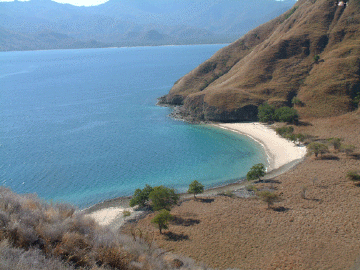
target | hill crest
x=311, y=52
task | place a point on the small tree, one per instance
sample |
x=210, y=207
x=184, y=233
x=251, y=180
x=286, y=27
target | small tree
x=335, y=142
x=296, y=101
x=269, y=197
x=348, y=149
x=141, y=197
x=316, y=58
x=317, y=148
x=162, y=220
x=292, y=137
x=256, y=172
x=301, y=138
x=163, y=198
x=195, y=188
x=266, y=113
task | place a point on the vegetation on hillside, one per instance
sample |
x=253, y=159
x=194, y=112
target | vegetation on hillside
x=268, y=113
x=38, y=235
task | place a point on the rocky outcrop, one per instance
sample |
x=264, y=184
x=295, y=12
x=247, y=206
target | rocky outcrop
x=311, y=52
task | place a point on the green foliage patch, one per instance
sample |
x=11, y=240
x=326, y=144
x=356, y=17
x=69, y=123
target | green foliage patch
x=256, y=172
x=162, y=219
x=195, y=187
x=267, y=113
x=141, y=196
x=163, y=198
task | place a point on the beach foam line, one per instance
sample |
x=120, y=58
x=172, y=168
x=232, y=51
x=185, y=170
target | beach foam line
x=279, y=150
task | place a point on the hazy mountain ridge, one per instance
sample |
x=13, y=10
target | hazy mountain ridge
x=276, y=62
x=129, y=23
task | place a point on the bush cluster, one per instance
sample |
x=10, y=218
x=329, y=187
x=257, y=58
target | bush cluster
x=38, y=235
x=288, y=133
x=323, y=147
x=268, y=113
x=157, y=198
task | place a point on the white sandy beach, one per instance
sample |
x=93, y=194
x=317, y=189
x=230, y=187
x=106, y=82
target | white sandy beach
x=279, y=150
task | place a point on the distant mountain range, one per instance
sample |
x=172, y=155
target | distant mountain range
x=44, y=24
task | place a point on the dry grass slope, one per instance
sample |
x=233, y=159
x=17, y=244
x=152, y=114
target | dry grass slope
x=276, y=62
x=36, y=235
x=314, y=226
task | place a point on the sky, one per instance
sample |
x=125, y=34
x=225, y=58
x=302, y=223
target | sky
x=73, y=2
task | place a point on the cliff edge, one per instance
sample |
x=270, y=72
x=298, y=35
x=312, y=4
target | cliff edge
x=311, y=52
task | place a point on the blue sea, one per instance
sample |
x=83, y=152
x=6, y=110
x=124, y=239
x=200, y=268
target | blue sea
x=82, y=126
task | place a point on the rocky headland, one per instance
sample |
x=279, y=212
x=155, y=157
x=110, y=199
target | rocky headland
x=310, y=53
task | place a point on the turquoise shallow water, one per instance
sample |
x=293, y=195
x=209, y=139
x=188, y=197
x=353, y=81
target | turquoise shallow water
x=81, y=126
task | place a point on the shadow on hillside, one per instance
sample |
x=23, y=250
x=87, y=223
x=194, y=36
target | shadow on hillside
x=329, y=157
x=356, y=156
x=170, y=236
x=270, y=181
x=280, y=209
x=179, y=221
x=314, y=199
x=303, y=124
x=203, y=200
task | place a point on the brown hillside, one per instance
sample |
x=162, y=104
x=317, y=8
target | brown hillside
x=275, y=62
x=317, y=231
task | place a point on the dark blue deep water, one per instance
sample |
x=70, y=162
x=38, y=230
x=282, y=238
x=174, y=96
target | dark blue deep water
x=81, y=126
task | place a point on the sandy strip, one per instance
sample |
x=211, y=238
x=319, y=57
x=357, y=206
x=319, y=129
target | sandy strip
x=108, y=215
x=281, y=155
x=280, y=151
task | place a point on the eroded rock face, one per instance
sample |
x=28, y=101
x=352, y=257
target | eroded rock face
x=311, y=52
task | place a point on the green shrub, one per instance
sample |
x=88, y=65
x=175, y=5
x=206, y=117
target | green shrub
x=256, y=172
x=163, y=198
x=227, y=193
x=301, y=137
x=195, y=188
x=335, y=142
x=347, y=149
x=269, y=197
x=251, y=188
x=284, y=131
x=317, y=148
x=141, y=196
x=126, y=213
x=286, y=114
x=296, y=101
x=291, y=12
x=162, y=219
x=353, y=176
x=266, y=113
x=316, y=58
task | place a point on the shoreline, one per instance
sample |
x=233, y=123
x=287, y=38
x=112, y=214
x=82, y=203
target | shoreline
x=282, y=154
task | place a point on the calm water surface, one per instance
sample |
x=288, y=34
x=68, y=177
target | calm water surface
x=81, y=126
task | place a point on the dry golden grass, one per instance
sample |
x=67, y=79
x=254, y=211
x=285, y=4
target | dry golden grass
x=318, y=232
x=275, y=62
